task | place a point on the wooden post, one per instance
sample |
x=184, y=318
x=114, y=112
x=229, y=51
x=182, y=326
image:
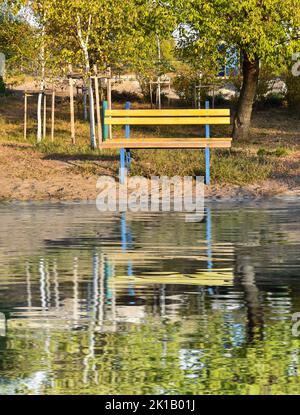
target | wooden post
x=39, y=117
x=99, y=126
x=92, y=116
x=72, y=116
x=25, y=115
x=45, y=116
x=214, y=96
x=84, y=90
x=109, y=100
x=151, y=95
x=158, y=96
x=52, y=115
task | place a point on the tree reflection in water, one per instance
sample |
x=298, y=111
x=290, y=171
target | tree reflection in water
x=135, y=304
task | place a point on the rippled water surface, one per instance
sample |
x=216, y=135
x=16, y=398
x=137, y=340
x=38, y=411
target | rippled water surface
x=149, y=303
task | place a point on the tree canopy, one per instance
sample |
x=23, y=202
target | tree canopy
x=265, y=31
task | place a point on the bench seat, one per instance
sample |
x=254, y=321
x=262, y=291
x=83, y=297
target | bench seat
x=171, y=143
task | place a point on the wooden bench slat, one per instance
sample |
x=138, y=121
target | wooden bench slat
x=163, y=139
x=168, y=121
x=161, y=143
x=168, y=113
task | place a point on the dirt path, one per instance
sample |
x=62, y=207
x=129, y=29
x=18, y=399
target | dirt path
x=26, y=174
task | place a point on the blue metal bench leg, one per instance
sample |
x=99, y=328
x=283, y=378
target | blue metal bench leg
x=207, y=151
x=127, y=136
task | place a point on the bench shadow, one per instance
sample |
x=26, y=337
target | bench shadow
x=81, y=157
x=17, y=146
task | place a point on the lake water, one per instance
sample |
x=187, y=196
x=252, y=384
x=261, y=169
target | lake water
x=149, y=303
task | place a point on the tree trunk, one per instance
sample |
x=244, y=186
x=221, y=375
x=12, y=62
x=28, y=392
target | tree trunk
x=244, y=112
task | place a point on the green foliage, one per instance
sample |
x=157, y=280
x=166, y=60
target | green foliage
x=278, y=152
x=16, y=36
x=293, y=91
x=184, y=83
x=273, y=100
x=269, y=31
x=115, y=33
x=2, y=85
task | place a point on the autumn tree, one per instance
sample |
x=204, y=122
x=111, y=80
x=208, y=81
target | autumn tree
x=16, y=35
x=261, y=31
x=96, y=31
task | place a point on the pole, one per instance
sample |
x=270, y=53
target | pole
x=45, y=115
x=25, y=115
x=52, y=115
x=99, y=127
x=151, y=94
x=92, y=116
x=72, y=116
x=39, y=117
x=158, y=98
x=104, y=127
x=85, y=116
x=207, y=150
x=127, y=135
x=109, y=100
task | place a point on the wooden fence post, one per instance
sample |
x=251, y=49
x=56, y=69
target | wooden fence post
x=72, y=116
x=99, y=126
x=52, y=115
x=25, y=115
x=92, y=116
x=84, y=91
x=45, y=116
x=39, y=117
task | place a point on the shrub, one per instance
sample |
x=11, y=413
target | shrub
x=293, y=91
x=2, y=85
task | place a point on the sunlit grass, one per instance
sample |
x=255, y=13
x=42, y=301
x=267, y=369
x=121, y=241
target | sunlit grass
x=246, y=163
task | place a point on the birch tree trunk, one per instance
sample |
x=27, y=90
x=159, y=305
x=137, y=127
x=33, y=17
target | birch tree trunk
x=42, y=89
x=84, y=46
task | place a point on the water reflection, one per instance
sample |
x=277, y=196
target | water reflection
x=149, y=303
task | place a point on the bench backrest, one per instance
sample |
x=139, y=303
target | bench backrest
x=167, y=117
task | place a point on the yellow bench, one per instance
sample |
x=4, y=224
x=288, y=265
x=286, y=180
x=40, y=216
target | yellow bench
x=127, y=117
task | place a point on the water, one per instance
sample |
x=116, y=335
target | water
x=149, y=304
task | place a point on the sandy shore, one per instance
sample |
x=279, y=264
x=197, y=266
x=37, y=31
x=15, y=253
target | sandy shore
x=27, y=175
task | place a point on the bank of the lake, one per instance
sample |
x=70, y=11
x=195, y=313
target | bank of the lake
x=265, y=165
x=27, y=173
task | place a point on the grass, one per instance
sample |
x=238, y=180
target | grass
x=236, y=167
x=275, y=137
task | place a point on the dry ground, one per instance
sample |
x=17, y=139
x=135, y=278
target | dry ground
x=266, y=165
